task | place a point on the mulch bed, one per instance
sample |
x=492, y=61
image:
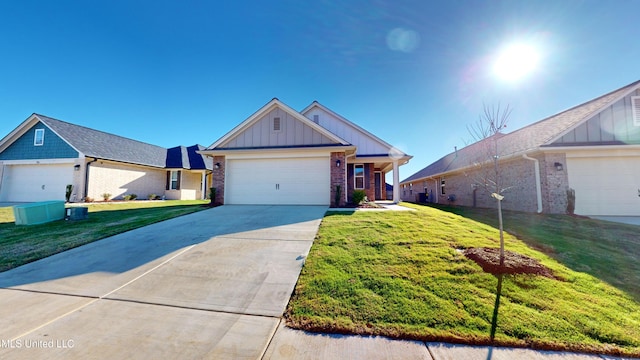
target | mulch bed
x=514, y=263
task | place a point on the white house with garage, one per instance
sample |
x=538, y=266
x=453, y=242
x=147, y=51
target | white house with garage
x=312, y=157
x=43, y=155
x=592, y=148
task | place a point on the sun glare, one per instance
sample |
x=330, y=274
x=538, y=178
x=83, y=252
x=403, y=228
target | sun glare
x=515, y=62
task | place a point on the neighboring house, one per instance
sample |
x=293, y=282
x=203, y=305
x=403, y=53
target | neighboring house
x=389, y=188
x=281, y=156
x=593, y=148
x=43, y=155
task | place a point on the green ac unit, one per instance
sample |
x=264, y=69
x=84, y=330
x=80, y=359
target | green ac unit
x=39, y=213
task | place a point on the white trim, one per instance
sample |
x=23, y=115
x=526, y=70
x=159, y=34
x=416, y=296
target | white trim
x=35, y=137
x=40, y=161
x=595, y=148
x=635, y=110
x=271, y=151
x=396, y=182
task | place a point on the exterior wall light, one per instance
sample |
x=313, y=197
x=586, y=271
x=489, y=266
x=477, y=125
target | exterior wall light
x=217, y=165
x=337, y=163
x=76, y=167
x=558, y=166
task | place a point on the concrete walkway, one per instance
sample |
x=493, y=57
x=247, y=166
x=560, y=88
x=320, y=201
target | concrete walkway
x=212, y=285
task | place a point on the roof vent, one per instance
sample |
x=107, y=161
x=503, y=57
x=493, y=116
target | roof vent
x=316, y=119
x=635, y=105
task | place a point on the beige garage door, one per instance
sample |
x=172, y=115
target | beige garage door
x=288, y=181
x=606, y=185
x=27, y=183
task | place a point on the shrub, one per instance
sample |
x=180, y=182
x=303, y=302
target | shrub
x=152, y=196
x=212, y=194
x=130, y=197
x=88, y=199
x=134, y=196
x=106, y=196
x=68, y=192
x=358, y=197
x=571, y=201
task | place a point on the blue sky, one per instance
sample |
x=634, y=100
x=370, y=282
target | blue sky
x=415, y=73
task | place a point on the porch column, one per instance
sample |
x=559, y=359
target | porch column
x=396, y=183
x=204, y=185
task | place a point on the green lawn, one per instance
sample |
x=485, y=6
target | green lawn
x=22, y=244
x=400, y=274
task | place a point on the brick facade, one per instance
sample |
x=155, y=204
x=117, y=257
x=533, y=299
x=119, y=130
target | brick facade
x=517, y=176
x=218, y=178
x=370, y=188
x=554, y=183
x=338, y=178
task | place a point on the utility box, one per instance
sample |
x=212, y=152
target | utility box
x=77, y=213
x=39, y=213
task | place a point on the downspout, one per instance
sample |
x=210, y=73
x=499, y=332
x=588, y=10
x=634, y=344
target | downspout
x=538, y=186
x=86, y=178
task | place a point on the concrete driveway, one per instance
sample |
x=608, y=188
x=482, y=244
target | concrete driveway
x=207, y=285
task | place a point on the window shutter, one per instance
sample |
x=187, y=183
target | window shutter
x=635, y=106
x=179, y=177
x=168, y=183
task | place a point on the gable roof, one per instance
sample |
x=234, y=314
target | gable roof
x=274, y=103
x=106, y=146
x=348, y=123
x=529, y=138
x=102, y=145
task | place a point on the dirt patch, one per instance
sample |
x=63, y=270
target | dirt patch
x=514, y=263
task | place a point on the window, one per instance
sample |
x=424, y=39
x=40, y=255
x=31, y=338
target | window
x=410, y=189
x=358, y=176
x=635, y=110
x=442, y=184
x=38, y=139
x=173, y=180
x=277, y=125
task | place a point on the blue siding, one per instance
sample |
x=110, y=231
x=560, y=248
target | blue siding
x=53, y=148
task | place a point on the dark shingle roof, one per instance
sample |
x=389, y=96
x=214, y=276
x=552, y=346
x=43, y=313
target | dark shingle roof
x=526, y=139
x=182, y=157
x=102, y=145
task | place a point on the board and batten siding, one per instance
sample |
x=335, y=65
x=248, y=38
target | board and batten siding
x=365, y=145
x=261, y=134
x=611, y=125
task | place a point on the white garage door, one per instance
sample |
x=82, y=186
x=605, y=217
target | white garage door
x=289, y=181
x=606, y=186
x=35, y=182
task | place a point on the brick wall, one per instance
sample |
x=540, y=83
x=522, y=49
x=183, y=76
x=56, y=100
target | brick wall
x=370, y=187
x=218, y=178
x=338, y=178
x=516, y=176
x=554, y=183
